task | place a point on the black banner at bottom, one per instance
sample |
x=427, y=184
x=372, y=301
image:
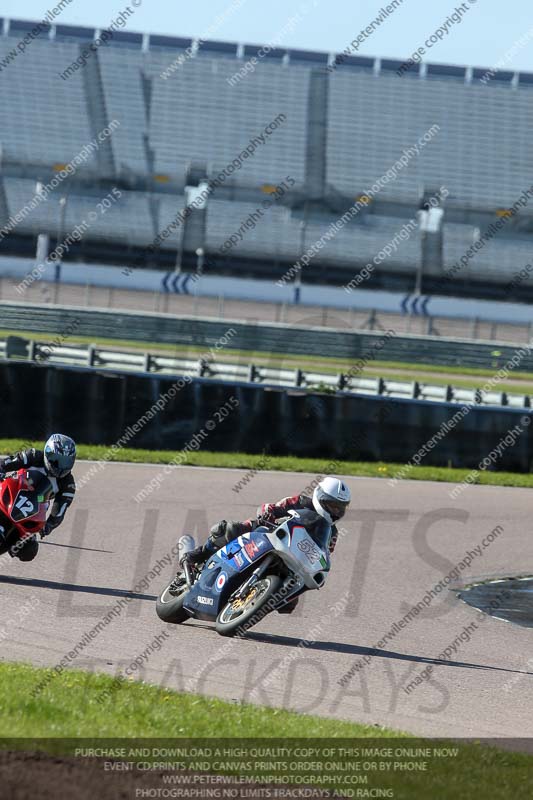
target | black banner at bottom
x=265, y=768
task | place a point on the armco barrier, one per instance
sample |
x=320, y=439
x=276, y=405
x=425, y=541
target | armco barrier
x=79, y=355
x=97, y=407
x=274, y=337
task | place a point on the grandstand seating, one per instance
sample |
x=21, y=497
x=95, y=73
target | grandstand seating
x=124, y=100
x=479, y=155
x=128, y=220
x=44, y=119
x=500, y=257
x=280, y=237
x=277, y=235
x=172, y=116
x=196, y=115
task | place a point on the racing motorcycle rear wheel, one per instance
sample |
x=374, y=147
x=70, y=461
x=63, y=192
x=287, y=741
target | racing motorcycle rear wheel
x=169, y=604
x=241, y=613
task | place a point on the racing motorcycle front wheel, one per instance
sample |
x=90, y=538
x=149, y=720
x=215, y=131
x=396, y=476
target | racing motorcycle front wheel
x=169, y=604
x=242, y=612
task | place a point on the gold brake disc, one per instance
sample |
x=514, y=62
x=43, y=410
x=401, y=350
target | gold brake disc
x=239, y=602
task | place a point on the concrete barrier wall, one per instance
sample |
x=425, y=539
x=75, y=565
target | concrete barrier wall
x=104, y=408
x=269, y=291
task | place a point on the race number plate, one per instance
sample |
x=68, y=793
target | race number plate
x=26, y=505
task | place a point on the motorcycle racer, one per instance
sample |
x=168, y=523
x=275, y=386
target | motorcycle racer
x=56, y=462
x=330, y=501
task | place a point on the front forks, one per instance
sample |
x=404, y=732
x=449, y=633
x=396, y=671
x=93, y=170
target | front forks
x=252, y=580
x=189, y=578
x=258, y=573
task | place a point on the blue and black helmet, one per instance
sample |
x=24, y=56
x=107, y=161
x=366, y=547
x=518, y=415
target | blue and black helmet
x=59, y=455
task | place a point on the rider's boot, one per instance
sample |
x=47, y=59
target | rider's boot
x=195, y=559
x=199, y=555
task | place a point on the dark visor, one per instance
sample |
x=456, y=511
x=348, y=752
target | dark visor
x=335, y=507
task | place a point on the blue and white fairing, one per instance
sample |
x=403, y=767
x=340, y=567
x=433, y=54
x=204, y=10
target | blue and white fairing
x=222, y=573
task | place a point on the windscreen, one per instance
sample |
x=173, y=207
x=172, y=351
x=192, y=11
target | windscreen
x=39, y=483
x=316, y=526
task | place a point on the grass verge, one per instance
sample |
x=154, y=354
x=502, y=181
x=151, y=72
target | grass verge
x=252, y=463
x=71, y=707
x=77, y=704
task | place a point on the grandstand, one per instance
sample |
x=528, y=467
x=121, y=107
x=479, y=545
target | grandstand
x=337, y=132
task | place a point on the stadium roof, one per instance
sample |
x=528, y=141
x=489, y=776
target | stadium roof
x=17, y=27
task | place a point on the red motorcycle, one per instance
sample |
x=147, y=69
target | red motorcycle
x=24, y=499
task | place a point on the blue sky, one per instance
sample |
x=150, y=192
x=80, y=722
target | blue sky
x=487, y=32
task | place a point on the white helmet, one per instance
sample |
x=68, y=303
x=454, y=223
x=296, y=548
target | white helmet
x=331, y=498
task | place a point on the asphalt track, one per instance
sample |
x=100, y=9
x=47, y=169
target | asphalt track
x=400, y=541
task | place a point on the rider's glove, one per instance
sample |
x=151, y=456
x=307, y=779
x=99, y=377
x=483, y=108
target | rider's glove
x=265, y=512
x=46, y=530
